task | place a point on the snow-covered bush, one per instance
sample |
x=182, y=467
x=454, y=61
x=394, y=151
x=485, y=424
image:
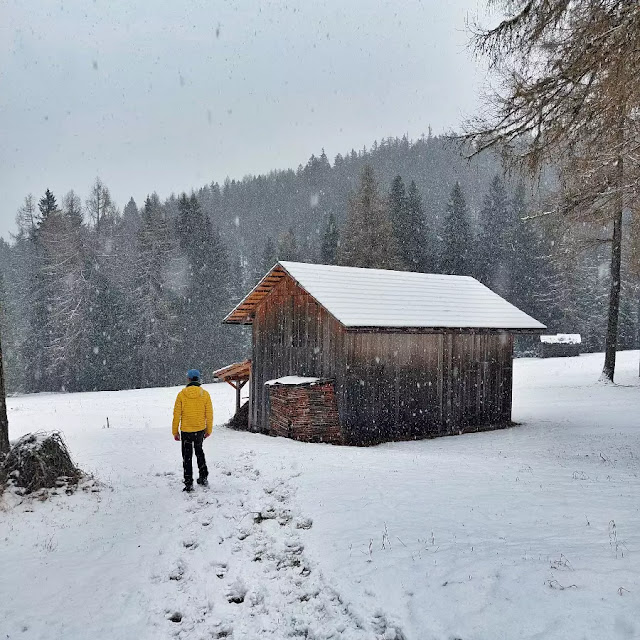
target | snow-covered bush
x=39, y=461
x=240, y=420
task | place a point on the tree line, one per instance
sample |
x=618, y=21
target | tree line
x=98, y=299
x=94, y=297
x=569, y=95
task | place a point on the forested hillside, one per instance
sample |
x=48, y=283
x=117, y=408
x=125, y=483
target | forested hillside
x=98, y=297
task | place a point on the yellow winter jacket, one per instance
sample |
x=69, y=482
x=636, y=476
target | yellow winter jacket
x=193, y=410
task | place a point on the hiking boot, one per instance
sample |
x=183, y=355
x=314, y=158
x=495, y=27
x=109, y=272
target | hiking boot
x=188, y=488
x=203, y=481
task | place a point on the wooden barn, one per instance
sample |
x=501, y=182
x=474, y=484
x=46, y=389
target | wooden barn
x=360, y=356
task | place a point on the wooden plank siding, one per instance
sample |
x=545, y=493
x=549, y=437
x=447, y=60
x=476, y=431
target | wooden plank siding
x=404, y=386
x=388, y=385
x=292, y=335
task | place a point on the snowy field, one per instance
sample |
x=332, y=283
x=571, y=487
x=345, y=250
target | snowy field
x=530, y=532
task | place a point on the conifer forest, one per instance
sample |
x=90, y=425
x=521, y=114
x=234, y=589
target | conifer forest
x=101, y=295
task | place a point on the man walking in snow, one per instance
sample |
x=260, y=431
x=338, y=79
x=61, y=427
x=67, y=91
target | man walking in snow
x=193, y=415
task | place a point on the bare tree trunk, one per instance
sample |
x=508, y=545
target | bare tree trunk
x=614, y=293
x=4, y=422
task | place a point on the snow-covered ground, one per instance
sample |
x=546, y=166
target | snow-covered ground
x=530, y=532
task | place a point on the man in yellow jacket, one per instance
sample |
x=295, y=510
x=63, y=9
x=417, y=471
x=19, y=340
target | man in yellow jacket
x=193, y=415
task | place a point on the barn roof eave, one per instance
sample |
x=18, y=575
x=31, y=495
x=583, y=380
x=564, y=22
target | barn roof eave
x=347, y=317
x=244, y=312
x=382, y=329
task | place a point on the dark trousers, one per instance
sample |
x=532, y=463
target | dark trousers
x=191, y=440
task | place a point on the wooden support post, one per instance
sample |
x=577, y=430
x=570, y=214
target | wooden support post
x=239, y=386
x=4, y=423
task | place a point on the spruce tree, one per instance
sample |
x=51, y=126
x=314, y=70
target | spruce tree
x=422, y=249
x=494, y=252
x=47, y=205
x=154, y=309
x=269, y=256
x=288, y=246
x=40, y=296
x=13, y=329
x=67, y=251
x=4, y=422
x=535, y=280
x=368, y=240
x=123, y=283
x=399, y=219
x=330, y=239
x=130, y=211
x=456, y=242
x=208, y=290
x=409, y=226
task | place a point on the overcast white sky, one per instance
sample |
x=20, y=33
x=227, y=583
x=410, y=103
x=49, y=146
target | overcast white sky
x=169, y=95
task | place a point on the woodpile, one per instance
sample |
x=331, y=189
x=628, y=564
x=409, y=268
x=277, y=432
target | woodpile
x=307, y=412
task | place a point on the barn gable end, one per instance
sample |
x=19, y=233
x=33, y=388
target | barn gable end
x=292, y=335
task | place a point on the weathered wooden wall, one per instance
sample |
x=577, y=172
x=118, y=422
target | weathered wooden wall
x=292, y=335
x=397, y=385
x=415, y=385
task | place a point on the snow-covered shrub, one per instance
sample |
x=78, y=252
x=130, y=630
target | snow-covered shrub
x=39, y=461
x=240, y=420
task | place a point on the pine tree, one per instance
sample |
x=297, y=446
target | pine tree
x=288, y=246
x=269, y=257
x=154, y=309
x=208, y=290
x=121, y=352
x=495, y=251
x=12, y=325
x=367, y=239
x=40, y=296
x=527, y=258
x=125, y=244
x=330, y=240
x=409, y=226
x=456, y=243
x=130, y=212
x=47, y=205
x=66, y=262
x=18, y=278
x=421, y=245
x=399, y=220
x=307, y=250
x=4, y=422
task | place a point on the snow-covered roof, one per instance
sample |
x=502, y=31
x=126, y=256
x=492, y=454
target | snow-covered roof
x=562, y=338
x=293, y=380
x=379, y=298
x=236, y=371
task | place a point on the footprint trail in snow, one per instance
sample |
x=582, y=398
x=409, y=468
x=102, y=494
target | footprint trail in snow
x=237, y=567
